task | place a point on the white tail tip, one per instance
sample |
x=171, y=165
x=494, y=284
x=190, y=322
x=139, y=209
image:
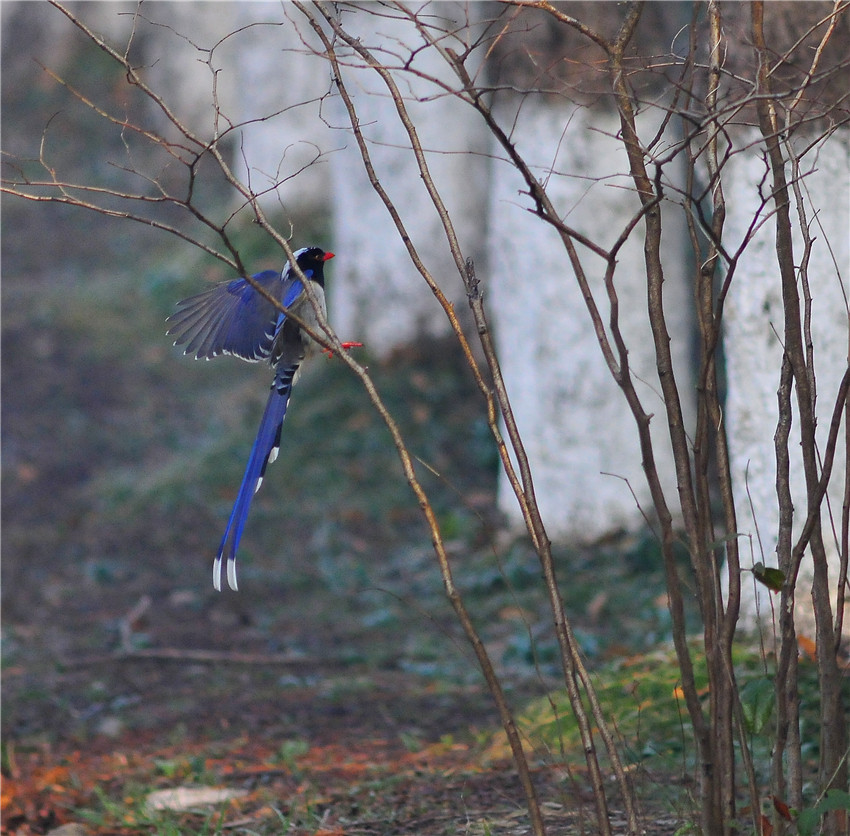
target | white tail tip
x=231, y=574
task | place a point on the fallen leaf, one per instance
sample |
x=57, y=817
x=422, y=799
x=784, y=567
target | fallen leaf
x=70, y=829
x=782, y=808
x=185, y=798
x=808, y=647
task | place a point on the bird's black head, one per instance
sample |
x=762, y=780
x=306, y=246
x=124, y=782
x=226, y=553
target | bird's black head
x=312, y=261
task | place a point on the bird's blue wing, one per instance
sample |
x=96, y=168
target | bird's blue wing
x=294, y=290
x=291, y=294
x=230, y=318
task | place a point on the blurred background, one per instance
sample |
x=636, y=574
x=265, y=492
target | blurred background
x=121, y=457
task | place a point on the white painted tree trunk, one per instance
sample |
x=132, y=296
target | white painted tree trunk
x=380, y=298
x=578, y=430
x=265, y=99
x=753, y=328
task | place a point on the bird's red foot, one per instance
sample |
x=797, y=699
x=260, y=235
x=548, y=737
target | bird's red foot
x=346, y=346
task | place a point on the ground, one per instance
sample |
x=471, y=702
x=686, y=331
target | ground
x=336, y=689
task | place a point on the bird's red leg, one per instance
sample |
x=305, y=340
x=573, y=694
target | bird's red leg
x=346, y=347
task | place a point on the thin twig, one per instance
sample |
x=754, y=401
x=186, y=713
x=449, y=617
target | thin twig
x=184, y=654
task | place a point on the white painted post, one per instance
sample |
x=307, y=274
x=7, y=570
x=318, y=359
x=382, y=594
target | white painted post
x=752, y=334
x=579, y=432
x=379, y=296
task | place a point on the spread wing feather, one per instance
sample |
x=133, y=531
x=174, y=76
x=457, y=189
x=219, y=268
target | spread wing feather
x=230, y=318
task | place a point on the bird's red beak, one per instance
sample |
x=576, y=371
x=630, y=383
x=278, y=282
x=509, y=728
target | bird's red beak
x=328, y=256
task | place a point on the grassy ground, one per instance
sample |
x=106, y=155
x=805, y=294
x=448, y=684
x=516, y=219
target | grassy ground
x=335, y=692
x=121, y=459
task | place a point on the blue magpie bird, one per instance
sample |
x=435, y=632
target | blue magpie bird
x=233, y=318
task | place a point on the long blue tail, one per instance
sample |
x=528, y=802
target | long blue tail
x=263, y=452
